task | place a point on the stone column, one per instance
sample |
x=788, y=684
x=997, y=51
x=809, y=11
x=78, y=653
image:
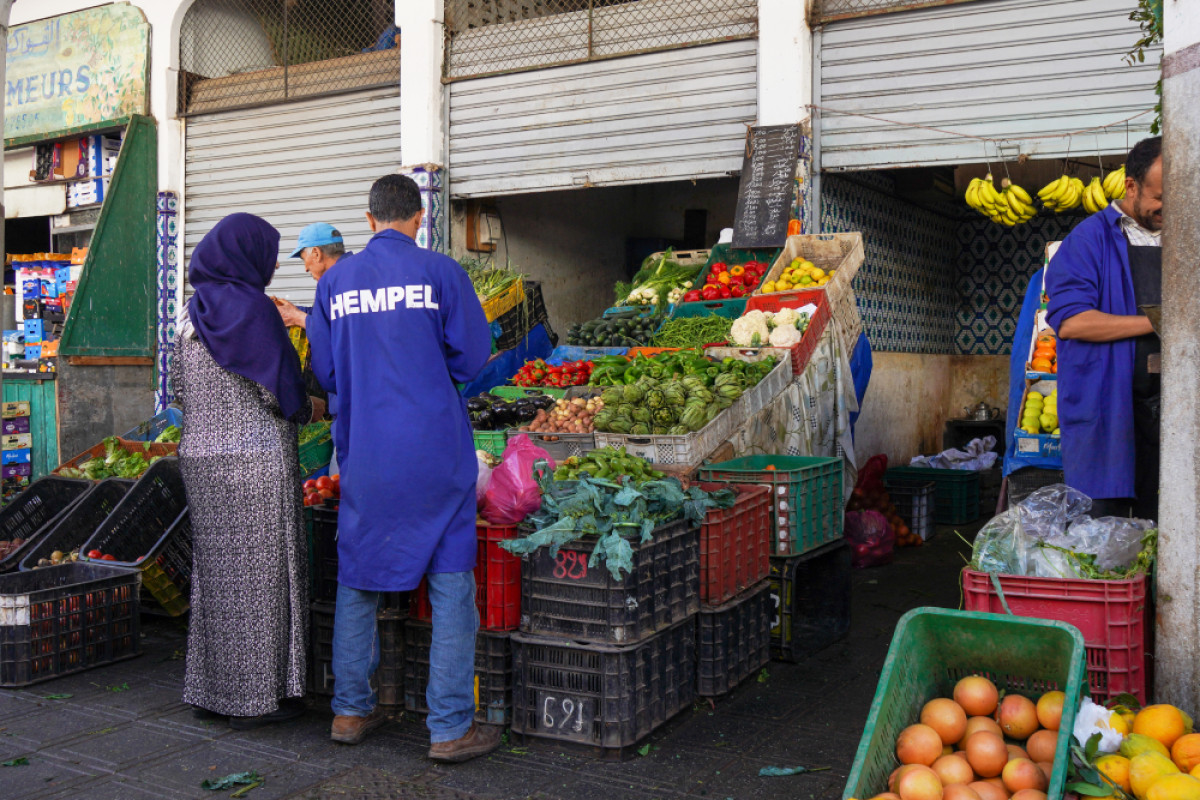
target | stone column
x=1177, y=647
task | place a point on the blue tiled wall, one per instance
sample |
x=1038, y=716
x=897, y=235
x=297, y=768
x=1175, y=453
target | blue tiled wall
x=935, y=279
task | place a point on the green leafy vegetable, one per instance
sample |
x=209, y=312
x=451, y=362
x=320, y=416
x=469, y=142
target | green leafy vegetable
x=172, y=433
x=231, y=780
x=16, y=762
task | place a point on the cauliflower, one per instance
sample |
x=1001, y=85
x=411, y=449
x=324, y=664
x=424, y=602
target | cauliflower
x=750, y=330
x=787, y=318
x=785, y=336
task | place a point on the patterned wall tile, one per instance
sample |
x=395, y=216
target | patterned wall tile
x=994, y=267
x=429, y=181
x=168, y=294
x=906, y=290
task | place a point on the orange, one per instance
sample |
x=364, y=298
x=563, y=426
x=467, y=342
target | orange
x=1162, y=722
x=1041, y=365
x=1044, y=352
x=1116, y=769
x=1186, y=752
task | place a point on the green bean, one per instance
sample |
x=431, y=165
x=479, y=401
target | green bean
x=685, y=332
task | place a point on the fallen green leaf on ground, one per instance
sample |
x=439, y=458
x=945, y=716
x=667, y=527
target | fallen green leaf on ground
x=16, y=762
x=231, y=780
x=57, y=696
x=781, y=772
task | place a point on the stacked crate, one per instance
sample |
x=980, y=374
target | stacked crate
x=810, y=560
x=17, y=444
x=600, y=663
x=734, y=626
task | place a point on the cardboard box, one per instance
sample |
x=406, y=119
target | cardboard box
x=14, y=425
x=87, y=193
x=12, y=410
x=49, y=349
x=101, y=157
x=16, y=441
x=33, y=352
x=16, y=456
x=16, y=471
x=34, y=331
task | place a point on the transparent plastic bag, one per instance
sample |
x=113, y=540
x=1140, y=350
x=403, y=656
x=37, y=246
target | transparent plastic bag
x=871, y=539
x=513, y=492
x=1047, y=512
x=1000, y=546
x=1115, y=541
x=482, y=476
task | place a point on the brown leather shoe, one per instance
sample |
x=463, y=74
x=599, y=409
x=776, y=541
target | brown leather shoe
x=479, y=740
x=352, y=730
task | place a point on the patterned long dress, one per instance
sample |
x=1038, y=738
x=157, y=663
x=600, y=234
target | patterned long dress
x=247, y=637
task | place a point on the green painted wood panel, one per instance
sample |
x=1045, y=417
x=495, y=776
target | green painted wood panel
x=113, y=310
x=43, y=420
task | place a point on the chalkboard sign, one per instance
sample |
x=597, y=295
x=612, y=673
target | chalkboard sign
x=767, y=186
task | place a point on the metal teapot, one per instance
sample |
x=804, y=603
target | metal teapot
x=982, y=412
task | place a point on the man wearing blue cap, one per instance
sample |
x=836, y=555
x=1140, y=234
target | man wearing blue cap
x=320, y=246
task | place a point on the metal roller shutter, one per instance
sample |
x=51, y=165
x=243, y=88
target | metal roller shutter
x=664, y=116
x=1003, y=69
x=294, y=164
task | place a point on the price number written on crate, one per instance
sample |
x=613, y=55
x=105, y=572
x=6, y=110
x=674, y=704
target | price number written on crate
x=571, y=565
x=569, y=717
x=775, y=620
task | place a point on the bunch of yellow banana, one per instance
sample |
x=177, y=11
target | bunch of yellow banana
x=1114, y=184
x=1062, y=194
x=1093, y=197
x=1007, y=207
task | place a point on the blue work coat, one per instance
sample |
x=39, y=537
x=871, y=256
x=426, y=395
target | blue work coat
x=1095, y=379
x=392, y=329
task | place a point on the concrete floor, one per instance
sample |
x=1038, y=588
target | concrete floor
x=123, y=732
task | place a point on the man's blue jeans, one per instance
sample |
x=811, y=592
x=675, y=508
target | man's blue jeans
x=451, y=692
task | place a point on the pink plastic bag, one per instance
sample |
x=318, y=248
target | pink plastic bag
x=872, y=541
x=513, y=492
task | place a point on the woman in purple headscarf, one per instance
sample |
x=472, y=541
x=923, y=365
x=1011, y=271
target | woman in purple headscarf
x=238, y=379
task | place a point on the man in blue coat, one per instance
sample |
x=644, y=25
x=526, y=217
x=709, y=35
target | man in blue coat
x=392, y=329
x=1108, y=354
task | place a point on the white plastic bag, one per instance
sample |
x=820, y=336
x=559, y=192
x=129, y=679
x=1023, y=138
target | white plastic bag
x=1093, y=719
x=481, y=479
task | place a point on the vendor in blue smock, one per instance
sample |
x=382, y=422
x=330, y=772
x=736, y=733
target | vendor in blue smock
x=1109, y=372
x=393, y=328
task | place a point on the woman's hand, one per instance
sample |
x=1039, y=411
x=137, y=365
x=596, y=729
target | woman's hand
x=318, y=409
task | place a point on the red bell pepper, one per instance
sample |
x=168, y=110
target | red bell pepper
x=726, y=292
x=737, y=290
x=710, y=293
x=692, y=297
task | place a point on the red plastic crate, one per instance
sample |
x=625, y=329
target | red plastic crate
x=1113, y=616
x=497, y=582
x=803, y=351
x=735, y=543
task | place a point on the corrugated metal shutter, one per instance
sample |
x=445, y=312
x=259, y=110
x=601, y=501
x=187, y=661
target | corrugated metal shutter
x=672, y=115
x=294, y=164
x=1003, y=69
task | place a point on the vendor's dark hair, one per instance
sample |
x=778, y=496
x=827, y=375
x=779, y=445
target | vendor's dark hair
x=1142, y=157
x=394, y=197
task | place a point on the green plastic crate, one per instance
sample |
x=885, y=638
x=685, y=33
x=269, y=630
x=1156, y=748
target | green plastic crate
x=956, y=491
x=806, y=493
x=933, y=648
x=730, y=309
x=316, y=453
x=517, y=392
x=491, y=441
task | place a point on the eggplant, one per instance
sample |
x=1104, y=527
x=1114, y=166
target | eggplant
x=476, y=404
x=544, y=402
x=528, y=414
x=484, y=420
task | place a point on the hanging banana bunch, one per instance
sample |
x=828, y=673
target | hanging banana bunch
x=1063, y=194
x=1010, y=206
x=1094, y=198
x=1114, y=184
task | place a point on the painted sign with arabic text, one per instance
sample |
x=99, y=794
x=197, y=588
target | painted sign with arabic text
x=74, y=70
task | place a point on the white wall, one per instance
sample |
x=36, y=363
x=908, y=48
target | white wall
x=784, y=62
x=422, y=135
x=1181, y=24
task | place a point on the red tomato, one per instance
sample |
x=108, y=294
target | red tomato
x=325, y=494
x=94, y=554
x=312, y=499
x=108, y=557
x=324, y=483
x=337, y=481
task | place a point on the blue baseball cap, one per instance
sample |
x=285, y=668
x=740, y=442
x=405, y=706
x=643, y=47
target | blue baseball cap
x=315, y=235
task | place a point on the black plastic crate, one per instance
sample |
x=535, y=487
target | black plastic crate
x=915, y=503
x=1024, y=482
x=28, y=515
x=516, y=323
x=493, y=672
x=66, y=619
x=323, y=562
x=389, y=678
x=733, y=640
x=149, y=530
x=601, y=698
x=75, y=526
x=563, y=596
x=810, y=597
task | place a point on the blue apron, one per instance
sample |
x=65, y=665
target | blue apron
x=392, y=329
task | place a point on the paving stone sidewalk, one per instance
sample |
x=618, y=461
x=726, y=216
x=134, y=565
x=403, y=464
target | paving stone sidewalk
x=122, y=733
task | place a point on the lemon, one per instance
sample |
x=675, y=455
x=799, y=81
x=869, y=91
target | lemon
x=1137, y=743
x=1115, y=768
x=768, y=287
x=1174, y=787
x=1116, y=721
x=1034, y=396
x=1146, y=769
x=817, y=272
